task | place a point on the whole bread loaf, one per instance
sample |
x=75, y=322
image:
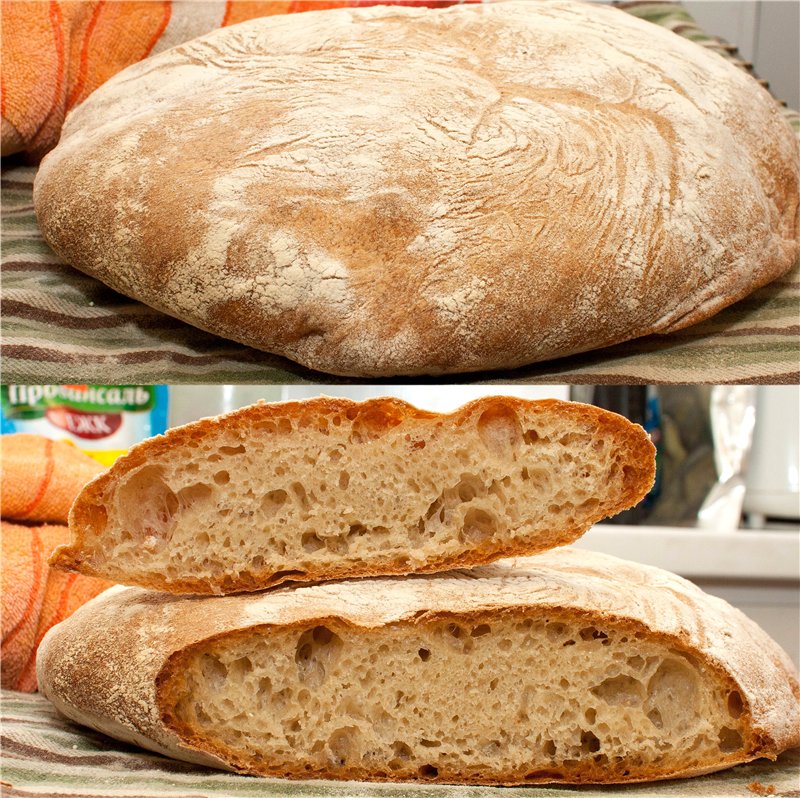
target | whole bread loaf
x=569, y=666
x=330, y=488
x=392, y=191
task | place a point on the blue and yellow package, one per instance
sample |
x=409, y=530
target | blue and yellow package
x=102, y=420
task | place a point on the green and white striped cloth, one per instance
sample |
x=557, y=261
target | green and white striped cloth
x=45, y=754
x=60, y=326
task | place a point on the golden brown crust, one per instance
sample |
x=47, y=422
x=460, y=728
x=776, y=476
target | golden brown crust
x=374, y=416
x=137, y=657
x=440, y=191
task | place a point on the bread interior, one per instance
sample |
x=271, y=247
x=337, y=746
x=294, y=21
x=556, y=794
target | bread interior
x=511, y=698
x=357, y=492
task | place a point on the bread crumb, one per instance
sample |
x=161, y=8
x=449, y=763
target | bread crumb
x=761, y=789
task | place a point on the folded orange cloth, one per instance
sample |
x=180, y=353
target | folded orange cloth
x=55, y=52
x=34, y=598
x=39, y=479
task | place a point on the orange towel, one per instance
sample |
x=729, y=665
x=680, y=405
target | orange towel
x=55, y=52
x=40, y=478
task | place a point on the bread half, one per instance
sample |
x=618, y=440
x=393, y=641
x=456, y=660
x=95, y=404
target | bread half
x=330, y=488
x=569, y=666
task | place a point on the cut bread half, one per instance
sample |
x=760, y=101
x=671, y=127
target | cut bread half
x=330, y=488
x=565, y=667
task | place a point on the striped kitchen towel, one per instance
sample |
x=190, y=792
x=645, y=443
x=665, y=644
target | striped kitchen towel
x=45, y=754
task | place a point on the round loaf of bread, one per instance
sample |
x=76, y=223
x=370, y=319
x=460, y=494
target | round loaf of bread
x=569, y=667
x=393, y=190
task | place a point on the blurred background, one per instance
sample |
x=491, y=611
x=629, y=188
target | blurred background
x=766, y=33
x=724, y=512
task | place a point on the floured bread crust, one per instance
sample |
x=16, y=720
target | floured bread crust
x=390, y=190
x=117, y=664
x=330, y=488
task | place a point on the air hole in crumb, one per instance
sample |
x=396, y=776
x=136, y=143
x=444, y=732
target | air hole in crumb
x=729, y=740
x=424, y=654
x=590, y=743
x=301, y=495
x=499, y=429
x=214, y=671
x=231, y=450
x=240, y=668
x=530, y=436
x=341, y=743
x=575, y=437
x=222, y=477
x=148, y=507
x=316, y=649
x=468, y=487
x=549, y=748
x=193, y=494
x=590, y=715
x=429, y=743
x=454, y=630
x=338, y=544
x=481, y=629
x=555, y=630
x=313, y=421
x=311, y=542
x=654, y=716
x=671, y=688
x=590, y=633
x=620, y=691
x=428, y=771
x=401, y=750
x=264, y=687
x=344, y=480
x=284, y=426
x=735, y=706
x=273, y=501
x=371, y=423
x=478, y=526
x=356, y=531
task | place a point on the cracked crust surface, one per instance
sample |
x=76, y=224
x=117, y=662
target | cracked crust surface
x=391, y=191
x=113, y=664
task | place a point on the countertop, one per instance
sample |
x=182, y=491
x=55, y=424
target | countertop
x=771, y=555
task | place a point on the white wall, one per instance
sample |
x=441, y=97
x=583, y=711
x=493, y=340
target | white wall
x=767, y=33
